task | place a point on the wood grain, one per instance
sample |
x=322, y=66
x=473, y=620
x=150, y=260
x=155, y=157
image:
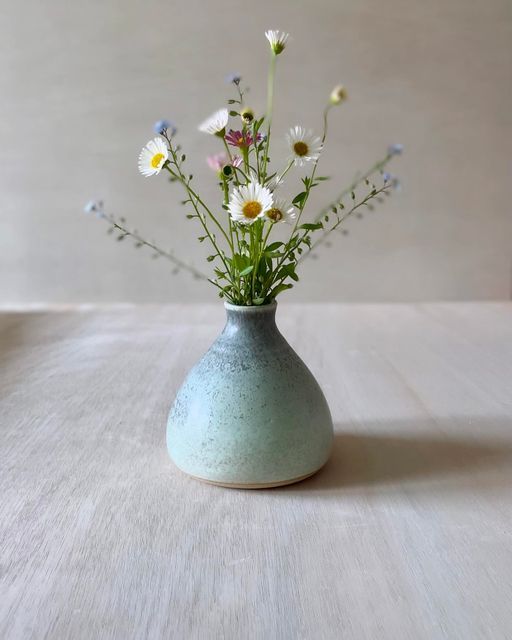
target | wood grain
x=406, y=533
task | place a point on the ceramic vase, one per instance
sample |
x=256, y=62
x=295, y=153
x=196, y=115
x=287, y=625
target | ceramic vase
x=250, y=414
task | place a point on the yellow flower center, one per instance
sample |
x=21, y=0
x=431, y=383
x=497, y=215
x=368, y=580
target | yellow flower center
x=275, y=214
x=252, y=209
x=300, y=148
x=156, y=159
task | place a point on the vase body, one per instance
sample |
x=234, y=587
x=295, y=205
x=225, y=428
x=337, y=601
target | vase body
x=250, y=413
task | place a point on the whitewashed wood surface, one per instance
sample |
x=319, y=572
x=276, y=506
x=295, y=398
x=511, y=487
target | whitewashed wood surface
x=406, y=534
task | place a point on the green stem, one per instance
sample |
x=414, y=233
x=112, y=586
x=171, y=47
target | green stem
x=194, y=197
x=378, y=166
x=373, y=194
x=211, y=237
x=259, y=246
x=282, y=175
x=270, y=105
x=245, y=156
x=230, y=156
x=161, y=252
x=304, y=201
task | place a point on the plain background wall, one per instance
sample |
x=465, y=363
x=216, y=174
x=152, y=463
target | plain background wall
x=82, y=83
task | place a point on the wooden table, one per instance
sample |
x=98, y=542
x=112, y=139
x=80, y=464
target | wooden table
x=406, y=534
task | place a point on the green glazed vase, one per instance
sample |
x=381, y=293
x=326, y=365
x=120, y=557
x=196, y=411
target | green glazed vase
x=250, y=414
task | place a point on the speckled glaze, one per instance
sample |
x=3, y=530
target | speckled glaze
x=250, y=413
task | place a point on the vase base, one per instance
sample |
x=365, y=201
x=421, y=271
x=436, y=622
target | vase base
x=258, y=485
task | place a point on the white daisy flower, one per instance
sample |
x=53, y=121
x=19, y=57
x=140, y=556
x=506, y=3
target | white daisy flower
x=303, y=145
x=249, y=202
x=278, y=40
x=215, y=124
x=153, y=157
x=280, y=211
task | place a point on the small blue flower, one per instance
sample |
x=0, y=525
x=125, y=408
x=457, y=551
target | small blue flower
x=395, y=149
x=233, y=78
x=387, y=177
x=164, y=125
x=94, y=206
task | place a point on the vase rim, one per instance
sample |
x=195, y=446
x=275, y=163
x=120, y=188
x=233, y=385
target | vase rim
x=255, y=308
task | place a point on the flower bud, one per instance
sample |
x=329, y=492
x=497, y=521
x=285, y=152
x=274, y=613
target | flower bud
x=338, y=95
x=247, y=115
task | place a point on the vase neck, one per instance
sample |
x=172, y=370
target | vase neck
x=250, y=320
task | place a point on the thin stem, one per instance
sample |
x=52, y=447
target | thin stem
x=282, y=175
x=243, y=174
x=230, y=156
x=182, y=178
x=270, y=105
x=192, y=194
x=230, y=222
x=378, y=166
x=256, y=150
x=304, y=200
x=373, y=194
x=161, y=252
x=211, y=237
x=259, y=245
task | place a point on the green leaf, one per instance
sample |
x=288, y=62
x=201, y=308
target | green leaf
x=273, y=246
x=299, y=198
x=258, y=123
x=211, y=258
x=287, y=271
x=322, y=178
x=311, y=226
x=281, y=287
x=247, y=270
x=240, y=262
x=234, y=113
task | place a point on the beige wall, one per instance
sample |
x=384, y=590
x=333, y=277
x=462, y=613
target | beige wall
x=82, y=83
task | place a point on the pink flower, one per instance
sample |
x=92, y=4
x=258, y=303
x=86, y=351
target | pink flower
x=217, y=161
x=241, y=138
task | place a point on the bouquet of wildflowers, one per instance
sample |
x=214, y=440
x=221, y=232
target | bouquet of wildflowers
x=250, y=266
